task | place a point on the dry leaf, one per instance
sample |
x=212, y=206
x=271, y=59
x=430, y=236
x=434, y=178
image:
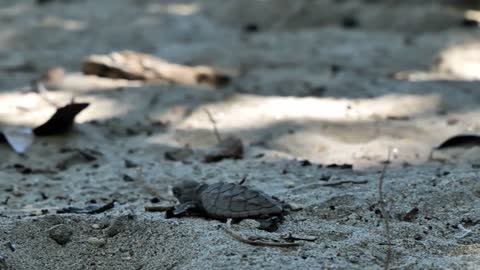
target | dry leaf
x=231, y=147
x=18, y=138
x=61, y=121
x=462, y=140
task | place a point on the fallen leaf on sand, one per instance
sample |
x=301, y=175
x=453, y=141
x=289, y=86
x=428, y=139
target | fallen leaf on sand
x=18, y=138
x=61, y=121
x=462, y=140
x=228, y=148
x=340, y=166
x=411, y=215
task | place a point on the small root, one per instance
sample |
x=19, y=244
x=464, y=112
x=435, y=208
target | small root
x=214, y=124
x=242, y=239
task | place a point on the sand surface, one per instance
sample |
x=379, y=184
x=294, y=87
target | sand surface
x=331, y=82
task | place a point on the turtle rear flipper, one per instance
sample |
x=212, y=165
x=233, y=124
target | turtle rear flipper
x=270, y=224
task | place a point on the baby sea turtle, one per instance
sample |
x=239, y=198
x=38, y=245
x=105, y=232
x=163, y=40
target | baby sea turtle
x=228, y=200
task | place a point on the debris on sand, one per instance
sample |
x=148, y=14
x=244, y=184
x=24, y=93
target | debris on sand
x=339, y=166
x=133, y=65
x=462, y=140
x=61, y=121
x=228, y=148
x=20, y=138
x=91, y=209
x=411, y=215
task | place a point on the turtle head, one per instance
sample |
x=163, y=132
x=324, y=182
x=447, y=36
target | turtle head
x=187, y=191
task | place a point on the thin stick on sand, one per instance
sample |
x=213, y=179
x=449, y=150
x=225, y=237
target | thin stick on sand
x=214, y=124
x=242, y=239
x=386, y=221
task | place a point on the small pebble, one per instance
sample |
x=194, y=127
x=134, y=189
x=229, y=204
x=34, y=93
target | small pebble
x=95, y=226
x=251, y=28
x=61, y=234
x=289, y=184
x=296, y=206
x=130, y=164
x=155, y=200
x=99, y=242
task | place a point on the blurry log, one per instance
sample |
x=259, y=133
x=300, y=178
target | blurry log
x=132, y=65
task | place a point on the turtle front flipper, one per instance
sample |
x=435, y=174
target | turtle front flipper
x=181, y=210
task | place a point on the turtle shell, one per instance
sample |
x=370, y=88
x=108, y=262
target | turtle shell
x=229, y=200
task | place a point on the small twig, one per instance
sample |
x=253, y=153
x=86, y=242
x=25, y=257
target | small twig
x=214, y=124
x=338, y=183
x=5, y=202
x=158, y=208
x=103, y=208
x=466, y=232
x=293, y=237
x=244, y=179
x=242, y=239
x=386, y=221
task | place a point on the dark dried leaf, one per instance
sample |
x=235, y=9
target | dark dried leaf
x=76, y=156
x=229, y=148
x=251, y=28
x=305, y=163
x=340, y=166
x=130, y=164
x=462, y=140
x=61, y=121
x=91, y=209
x=127, y=178
x=217, y=80
x=27, y=170
x=411, y=215
x=159, y=208
x=101, y=209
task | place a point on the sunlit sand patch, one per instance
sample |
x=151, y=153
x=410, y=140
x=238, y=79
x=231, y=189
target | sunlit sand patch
x=256, y=111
